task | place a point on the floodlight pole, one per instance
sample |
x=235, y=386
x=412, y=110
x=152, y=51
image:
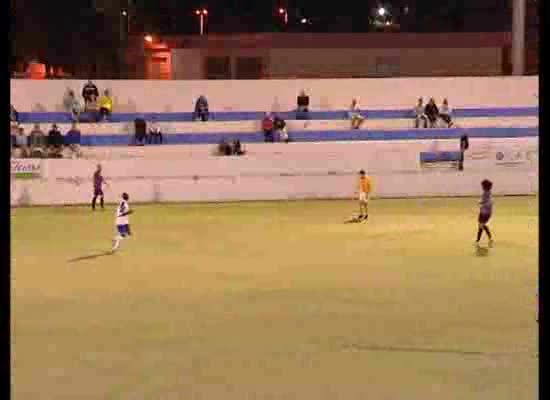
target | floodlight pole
x=518, y=37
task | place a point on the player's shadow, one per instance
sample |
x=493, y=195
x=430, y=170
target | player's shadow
x=482, y=251
x=91, y=256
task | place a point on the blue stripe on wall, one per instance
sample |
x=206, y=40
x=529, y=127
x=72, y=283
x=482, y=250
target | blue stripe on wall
x=309, y=136
x=434, y=156
x=60, y=117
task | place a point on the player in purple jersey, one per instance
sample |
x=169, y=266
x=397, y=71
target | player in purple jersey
x=99, y=181
x=537, y=309
x=485, y=211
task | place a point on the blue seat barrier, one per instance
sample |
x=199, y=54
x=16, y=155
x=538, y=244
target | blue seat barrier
x=496, y=112
x=61, y=117
x=319, y=136
x=439, y=156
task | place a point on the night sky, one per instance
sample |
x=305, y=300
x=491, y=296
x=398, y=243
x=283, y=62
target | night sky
x=176, y=16
x=349, y=16
x=39, y=29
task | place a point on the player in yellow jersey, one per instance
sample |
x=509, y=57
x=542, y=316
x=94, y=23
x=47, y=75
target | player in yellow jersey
x=364, y=192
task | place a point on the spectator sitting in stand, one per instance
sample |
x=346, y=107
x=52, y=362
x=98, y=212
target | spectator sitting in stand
x=238, y=149
x=14, y=115
x=303, y=106
x=14, y=130
x=105, y=104
x=432, y=112
x=224, y=148
x=233, y=148
x=267, y=127
x=140, y=131
x=72, y=105
x=155, y=134
x=464, y=145
x=420, y=115
x=38, y=142
x=283, y=134
x=72, y=141
x=90, y=95
x=55, y=142
x=201, y=109
x=279, y=125
x=445, y=113
x=13, y=146
x=355, y=115
x=21, y=143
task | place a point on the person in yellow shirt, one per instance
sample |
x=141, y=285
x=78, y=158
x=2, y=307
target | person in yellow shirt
x=365, y=188
x=105, y=104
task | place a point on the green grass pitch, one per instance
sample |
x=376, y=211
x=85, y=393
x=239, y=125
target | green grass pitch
x=276, y=300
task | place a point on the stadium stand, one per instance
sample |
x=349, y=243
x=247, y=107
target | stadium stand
x=178, y=128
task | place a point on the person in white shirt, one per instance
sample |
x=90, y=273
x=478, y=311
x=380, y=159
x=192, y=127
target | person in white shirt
x=155, y=134
x=420, y=115
x=355, y=115
x=72, y=105
x=122, y=221
x=445, y=113
x=283, y=134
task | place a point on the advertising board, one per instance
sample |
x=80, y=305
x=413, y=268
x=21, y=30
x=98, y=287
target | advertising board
x=26, y=168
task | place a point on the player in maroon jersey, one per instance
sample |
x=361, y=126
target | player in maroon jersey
x=99, y=181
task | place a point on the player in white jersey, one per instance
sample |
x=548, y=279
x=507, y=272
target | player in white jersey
x=122, y=221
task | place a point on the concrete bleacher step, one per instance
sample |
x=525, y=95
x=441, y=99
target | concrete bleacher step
x=125, y=128
x=264, y=151
x=207, y=151
x=459, y=122
x=107, y=128
x=64, y=117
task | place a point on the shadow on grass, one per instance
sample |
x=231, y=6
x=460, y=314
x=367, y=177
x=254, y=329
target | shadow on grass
x=354, y=220
x=482, y=251
x=91, y=256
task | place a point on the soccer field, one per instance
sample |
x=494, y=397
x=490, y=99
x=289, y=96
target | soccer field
x=276, y=300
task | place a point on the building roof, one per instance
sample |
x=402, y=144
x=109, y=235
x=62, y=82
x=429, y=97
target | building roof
x=341, y=40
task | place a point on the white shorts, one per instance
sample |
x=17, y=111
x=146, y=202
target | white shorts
x=364, y=197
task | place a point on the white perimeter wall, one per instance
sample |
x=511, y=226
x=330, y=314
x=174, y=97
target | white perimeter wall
x=280, y=95
x=279, y=171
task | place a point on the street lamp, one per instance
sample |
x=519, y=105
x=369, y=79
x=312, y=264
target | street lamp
x=202, y=15
x=381, y=16
x=284, y=13
x=126, y=17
